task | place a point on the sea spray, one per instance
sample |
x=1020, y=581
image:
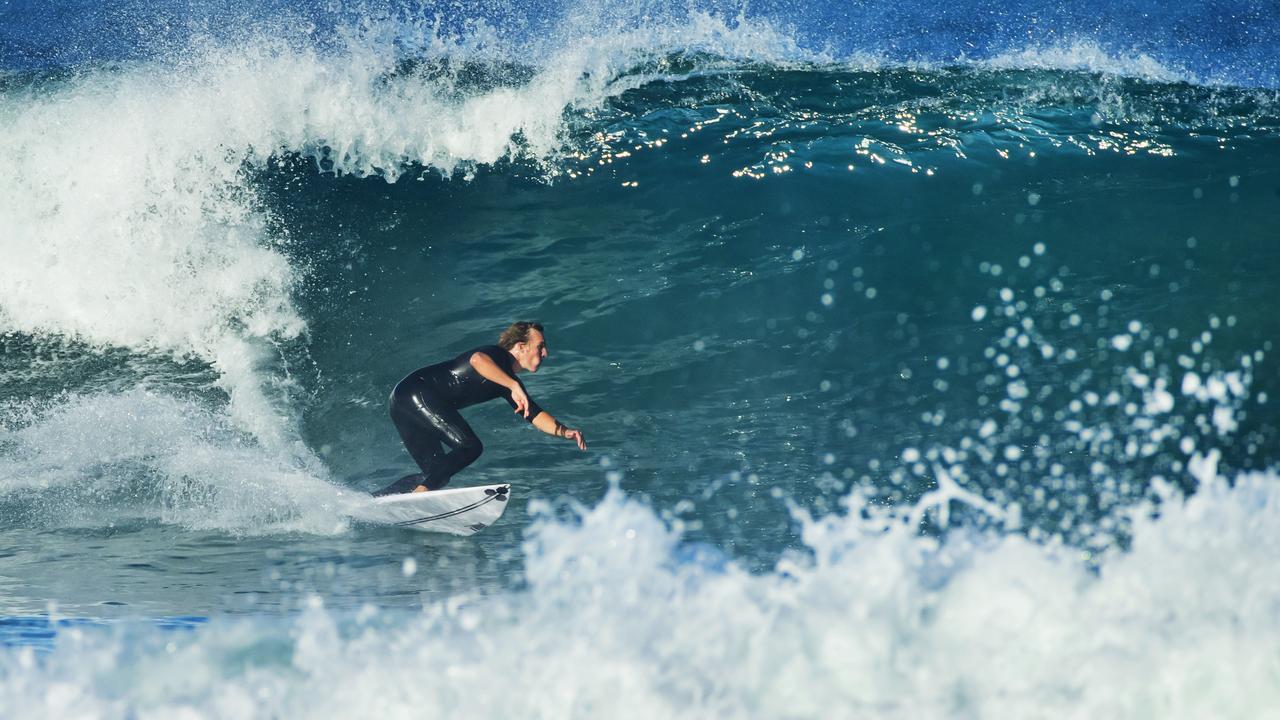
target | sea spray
x=873, y=620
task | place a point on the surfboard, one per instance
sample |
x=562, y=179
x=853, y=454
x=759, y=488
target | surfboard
x=457, y=511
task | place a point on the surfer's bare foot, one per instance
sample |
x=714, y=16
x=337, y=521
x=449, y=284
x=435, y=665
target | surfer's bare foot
x=420, y=488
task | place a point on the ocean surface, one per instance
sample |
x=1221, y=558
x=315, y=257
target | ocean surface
x=925, y=352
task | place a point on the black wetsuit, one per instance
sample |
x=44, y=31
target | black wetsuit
x=424, y=408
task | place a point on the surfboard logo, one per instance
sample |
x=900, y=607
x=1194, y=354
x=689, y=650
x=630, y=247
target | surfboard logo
x=451, y=513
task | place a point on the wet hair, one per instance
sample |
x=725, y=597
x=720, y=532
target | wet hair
x=518, y=333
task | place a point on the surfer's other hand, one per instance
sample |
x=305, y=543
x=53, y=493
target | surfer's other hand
x=576, y=435
x=521, y=400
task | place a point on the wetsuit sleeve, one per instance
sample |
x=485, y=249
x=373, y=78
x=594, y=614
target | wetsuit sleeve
x=534, y=408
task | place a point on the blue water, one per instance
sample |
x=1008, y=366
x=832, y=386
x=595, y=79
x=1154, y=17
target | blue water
x=923, y=352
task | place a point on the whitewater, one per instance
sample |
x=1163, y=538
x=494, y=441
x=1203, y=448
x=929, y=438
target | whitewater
x=924, y=353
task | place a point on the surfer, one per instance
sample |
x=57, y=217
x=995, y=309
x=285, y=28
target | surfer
x=424, y=405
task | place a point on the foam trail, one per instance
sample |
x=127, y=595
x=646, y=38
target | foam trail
x=140, y=456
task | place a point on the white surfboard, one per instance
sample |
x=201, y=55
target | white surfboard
x=458, y=511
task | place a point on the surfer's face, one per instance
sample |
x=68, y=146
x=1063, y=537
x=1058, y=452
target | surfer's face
x=531, y=352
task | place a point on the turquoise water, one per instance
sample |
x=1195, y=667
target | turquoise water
x=918, y=380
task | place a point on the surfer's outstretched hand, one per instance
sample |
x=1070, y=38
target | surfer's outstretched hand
x=521, y=400
x=576, y=435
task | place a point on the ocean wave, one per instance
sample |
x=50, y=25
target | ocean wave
x=133, y=221
x=138, y=220
x=133, y=217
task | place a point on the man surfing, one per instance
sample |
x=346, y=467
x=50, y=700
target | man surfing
x=424, y=405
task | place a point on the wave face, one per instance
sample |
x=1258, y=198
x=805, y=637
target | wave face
x=985, y=293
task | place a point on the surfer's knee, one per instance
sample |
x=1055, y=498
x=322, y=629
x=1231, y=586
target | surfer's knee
x=471, y=448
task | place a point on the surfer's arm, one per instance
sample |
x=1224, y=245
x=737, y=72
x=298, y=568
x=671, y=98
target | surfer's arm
x=549, y=425
x=490, y=371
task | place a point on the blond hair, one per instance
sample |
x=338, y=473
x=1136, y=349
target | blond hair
x=518, y=333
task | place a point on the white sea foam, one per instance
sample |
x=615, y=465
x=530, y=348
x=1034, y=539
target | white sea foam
x=879, y=622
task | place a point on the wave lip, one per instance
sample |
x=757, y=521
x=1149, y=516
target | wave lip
x=1089, y=56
